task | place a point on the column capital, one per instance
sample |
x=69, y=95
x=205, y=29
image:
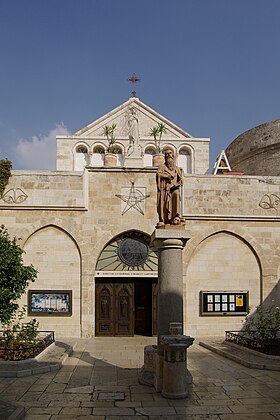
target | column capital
x=169, y=238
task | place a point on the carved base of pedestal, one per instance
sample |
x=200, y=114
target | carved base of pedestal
x=177, y=223
x=171, y=379
x=147, y=372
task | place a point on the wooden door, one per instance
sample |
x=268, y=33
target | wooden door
x=155, y=308
x=114, y=309
x=143, y=308
x=104, y=309
x=124, y=309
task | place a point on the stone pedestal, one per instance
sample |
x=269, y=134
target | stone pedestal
x=176, y=377
x=168, y=371
x=135, y=159
x=169, y=243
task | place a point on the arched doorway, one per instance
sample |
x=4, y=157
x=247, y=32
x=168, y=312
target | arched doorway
x=126, y=287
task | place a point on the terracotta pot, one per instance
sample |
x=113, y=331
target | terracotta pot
x=158, y=159
x=110, y=159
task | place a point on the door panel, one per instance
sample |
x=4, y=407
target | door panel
x=124, y=309
x=143, y=308
x=155, y=308
x=104, y=309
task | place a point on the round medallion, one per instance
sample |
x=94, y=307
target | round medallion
x=133, y=252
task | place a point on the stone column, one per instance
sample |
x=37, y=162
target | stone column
x=170, y=243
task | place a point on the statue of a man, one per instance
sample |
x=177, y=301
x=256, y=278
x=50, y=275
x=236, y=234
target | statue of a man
x=169, y=181
x=133, y=131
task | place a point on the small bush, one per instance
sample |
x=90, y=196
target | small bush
x=18, y=332
x=263, y=324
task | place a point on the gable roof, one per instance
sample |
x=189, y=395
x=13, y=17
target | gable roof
x=147, y=119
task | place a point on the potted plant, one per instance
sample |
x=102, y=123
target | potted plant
x=110, y=159
x=157, y=132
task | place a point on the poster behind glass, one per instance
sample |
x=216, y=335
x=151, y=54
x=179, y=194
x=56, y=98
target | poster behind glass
x=50, y=302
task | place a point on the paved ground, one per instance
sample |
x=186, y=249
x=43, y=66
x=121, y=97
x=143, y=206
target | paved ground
x=104, y=368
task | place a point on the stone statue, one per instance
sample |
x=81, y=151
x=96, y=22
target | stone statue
x=169, y=181
x=133, y=131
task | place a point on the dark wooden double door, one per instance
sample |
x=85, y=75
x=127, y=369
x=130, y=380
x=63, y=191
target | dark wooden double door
x=125, y=309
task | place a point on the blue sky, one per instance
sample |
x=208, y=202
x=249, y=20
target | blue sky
x=210, y=66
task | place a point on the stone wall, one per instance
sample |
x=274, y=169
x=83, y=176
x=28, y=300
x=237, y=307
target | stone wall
x=228, y=195
x=234, y=245
x=257, y=151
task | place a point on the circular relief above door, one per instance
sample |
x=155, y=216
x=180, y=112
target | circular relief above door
x=128, y=251
x=133, y=252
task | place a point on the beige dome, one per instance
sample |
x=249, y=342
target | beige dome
x=257, y=151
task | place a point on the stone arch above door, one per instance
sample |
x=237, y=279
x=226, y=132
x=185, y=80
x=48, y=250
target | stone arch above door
x=126, y=287
x=129, y=251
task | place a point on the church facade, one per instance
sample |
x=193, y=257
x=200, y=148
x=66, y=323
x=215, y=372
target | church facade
x=86, y=228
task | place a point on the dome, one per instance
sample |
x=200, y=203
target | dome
x=257, y=151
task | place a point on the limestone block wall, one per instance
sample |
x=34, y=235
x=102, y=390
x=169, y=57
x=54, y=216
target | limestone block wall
x=64, y=154
x=44, y=189
x=257, y=151
x=235, y=243
x=56, y=257
x=222, y=262
x=227, y=195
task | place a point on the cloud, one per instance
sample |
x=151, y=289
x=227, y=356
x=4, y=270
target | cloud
x=40, y=151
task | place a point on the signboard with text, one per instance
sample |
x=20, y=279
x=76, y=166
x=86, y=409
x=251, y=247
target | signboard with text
x=224, y=303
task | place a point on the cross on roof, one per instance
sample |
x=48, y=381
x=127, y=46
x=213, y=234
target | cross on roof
x=133, y=79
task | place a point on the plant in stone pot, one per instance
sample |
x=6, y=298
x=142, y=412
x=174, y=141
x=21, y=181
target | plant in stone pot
x=110, y=158
x=157, y=132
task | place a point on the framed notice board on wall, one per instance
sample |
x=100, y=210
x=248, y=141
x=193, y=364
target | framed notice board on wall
x=224, y=303
x=50, y=302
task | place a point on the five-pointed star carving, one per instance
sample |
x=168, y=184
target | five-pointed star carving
x=133, y=199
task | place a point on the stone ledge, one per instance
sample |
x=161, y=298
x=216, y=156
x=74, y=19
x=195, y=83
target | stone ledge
x=252, y=359
x=50, y=360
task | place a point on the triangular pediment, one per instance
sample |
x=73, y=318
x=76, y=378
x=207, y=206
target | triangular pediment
x=147, y=119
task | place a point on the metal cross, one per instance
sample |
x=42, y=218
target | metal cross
x=133, y=79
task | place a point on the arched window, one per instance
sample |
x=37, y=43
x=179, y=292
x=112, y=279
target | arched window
x=81, y=149
x=148, y=156
x=81, y=157
x=185, y=160
x=98, y=155
x=129, y=251
x=119, y=154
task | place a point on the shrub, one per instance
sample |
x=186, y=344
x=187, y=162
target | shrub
x=14, y=275
x=264, y=323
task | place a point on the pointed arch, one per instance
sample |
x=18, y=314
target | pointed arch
x=128, y=251
x=221, y=261
x=56, y=256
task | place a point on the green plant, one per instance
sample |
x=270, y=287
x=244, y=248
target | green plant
x=14, y=275
x=17, y=332
x=264, y=323
x=5, y=173
x=109, y=133
x=157, y=132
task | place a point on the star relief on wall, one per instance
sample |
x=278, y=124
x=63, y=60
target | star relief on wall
x=133, y=198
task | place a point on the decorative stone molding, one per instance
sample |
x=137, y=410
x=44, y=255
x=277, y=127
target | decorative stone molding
x=270, y=201
x=14, y=195
x=133, y=198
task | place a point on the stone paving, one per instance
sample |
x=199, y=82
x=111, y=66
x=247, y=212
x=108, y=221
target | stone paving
x=100, y=381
